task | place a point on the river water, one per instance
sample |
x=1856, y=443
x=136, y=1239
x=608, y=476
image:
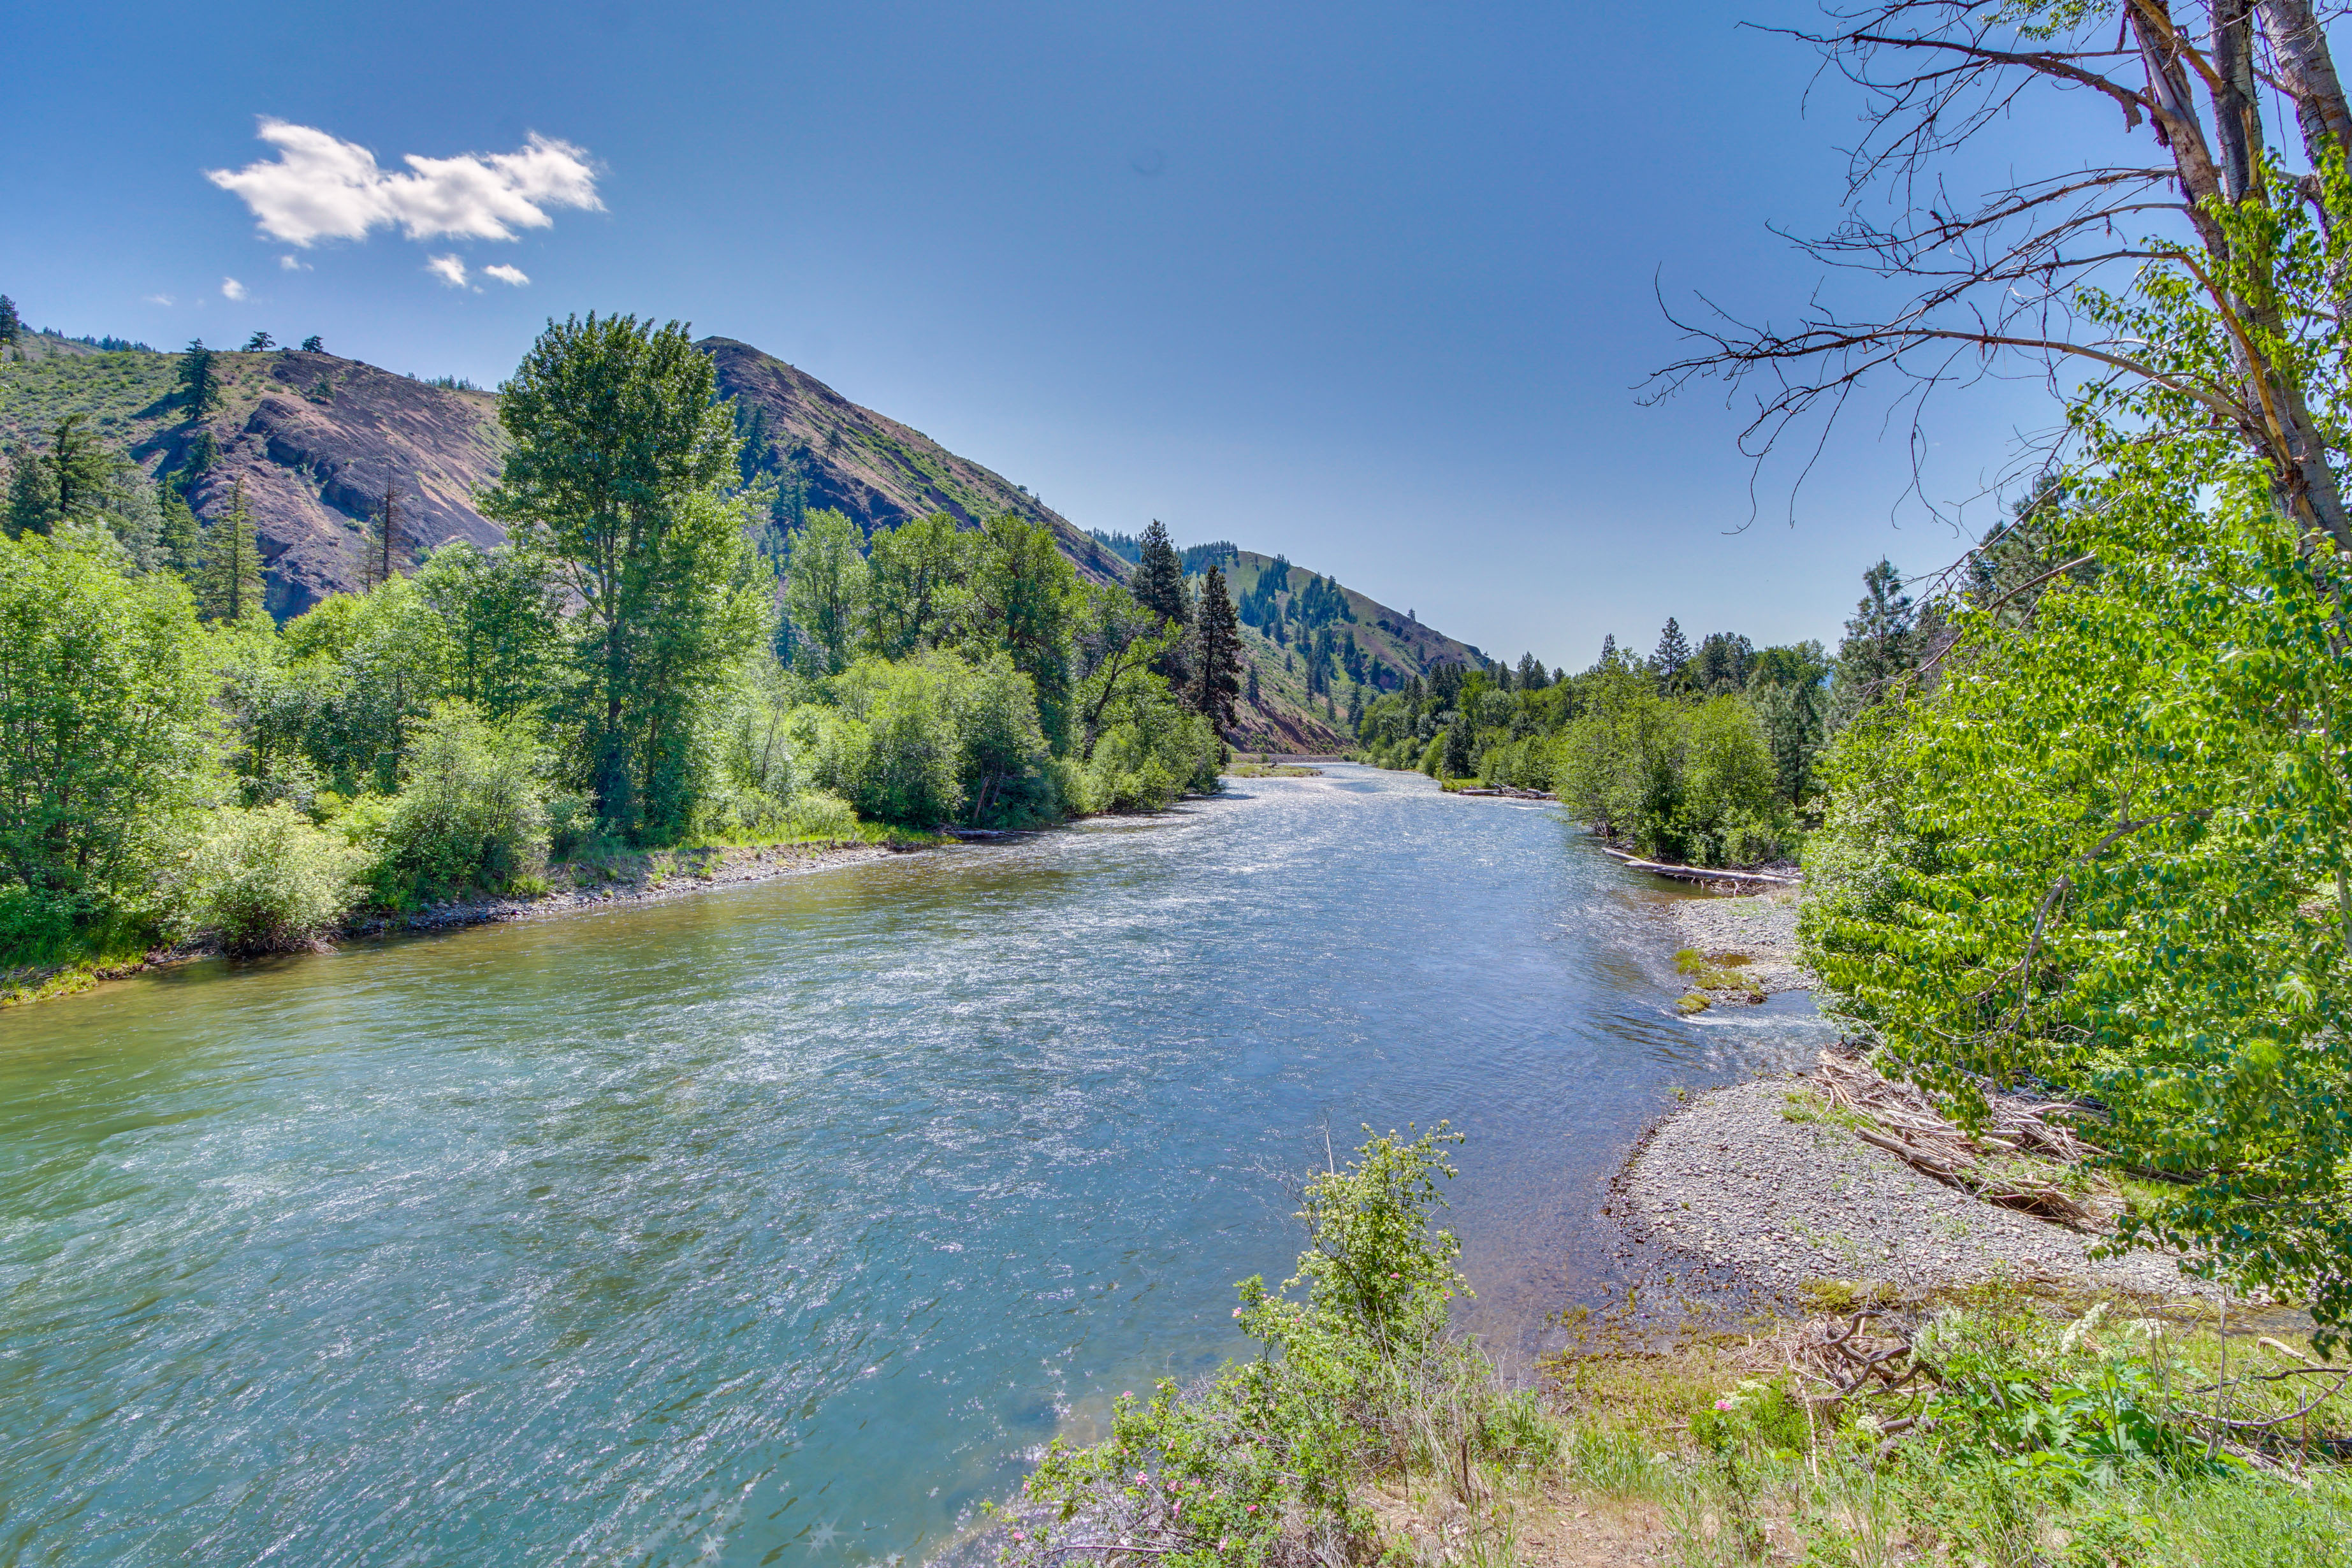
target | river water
x=782, y=1223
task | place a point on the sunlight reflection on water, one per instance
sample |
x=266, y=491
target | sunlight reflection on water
x=795, y=1215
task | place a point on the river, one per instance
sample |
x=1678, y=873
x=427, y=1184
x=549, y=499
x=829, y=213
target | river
x=784, y=1223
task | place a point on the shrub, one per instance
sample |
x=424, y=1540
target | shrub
x=266, y=880
x=471, y=816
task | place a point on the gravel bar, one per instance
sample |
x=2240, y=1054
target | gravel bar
x=1730, y=1181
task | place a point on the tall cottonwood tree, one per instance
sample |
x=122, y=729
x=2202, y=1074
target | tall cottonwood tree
x=620, y=449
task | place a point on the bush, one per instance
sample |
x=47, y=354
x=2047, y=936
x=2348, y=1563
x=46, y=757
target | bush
x=266, y=880
x=1258, y=1464
x=470, y=817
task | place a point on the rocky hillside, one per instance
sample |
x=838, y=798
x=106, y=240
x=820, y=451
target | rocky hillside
x=1285, y=611
x=313, y=438
x=869, y=465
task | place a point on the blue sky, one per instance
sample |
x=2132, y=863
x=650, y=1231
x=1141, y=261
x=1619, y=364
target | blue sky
x=1372, y=285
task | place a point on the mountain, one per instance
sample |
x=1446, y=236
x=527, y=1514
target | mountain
x=314, y=438
x=867, y=465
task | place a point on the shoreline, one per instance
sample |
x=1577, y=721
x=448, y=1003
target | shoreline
x=659, y=876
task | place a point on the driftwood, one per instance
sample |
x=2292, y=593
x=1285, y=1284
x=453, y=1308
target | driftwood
x=1997, y=1162
x=1632, y=862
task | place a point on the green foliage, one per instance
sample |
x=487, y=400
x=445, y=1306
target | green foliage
x=826, y=587
x=228, y=575
x=266, y=880
x=1258, y=1463
x=103, y=686
x=470, y=815
x=920, y=585
x=2106, y=849
x=503, y=617
x=619, y=452
x=936, y=738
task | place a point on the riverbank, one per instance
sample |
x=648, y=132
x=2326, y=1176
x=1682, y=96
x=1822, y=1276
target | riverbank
x=1761, y=1188
x=620, y=878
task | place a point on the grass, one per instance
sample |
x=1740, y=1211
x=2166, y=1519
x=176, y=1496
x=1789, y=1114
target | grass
x=36, y=966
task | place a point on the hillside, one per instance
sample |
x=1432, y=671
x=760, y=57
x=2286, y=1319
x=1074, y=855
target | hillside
x=869, y=465
x=315, y=438
x=1285, y=610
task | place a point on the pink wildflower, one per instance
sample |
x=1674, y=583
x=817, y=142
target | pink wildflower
x=1724, y=1404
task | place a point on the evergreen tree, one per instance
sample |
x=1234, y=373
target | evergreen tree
x=32, y=493
x=1531, y=673
x=1458, y=764
x=1253, y=684
x=1608, y=652
x=313, y=345
x=1881, y=643
x=1674, y=654
x=12, y=326
x=1216, y=653
x=229, y=582
x=260, y=343
x=199, y=381
x=1158, y=582
x=179, y=540
x=1725, y=659
x=80, y=471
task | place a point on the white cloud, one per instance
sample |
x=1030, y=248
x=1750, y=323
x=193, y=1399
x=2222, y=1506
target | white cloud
x=159, y=299
x=321, y=188
x=506, y=274
x=293, y=264
x=447, y=268
x=232, y=289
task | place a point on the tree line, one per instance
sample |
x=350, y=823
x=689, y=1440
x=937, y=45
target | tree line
x=1706, y=755
x=631, y=669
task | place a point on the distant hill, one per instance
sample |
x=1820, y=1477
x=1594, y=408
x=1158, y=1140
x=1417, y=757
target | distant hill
x=314, y=438
x=1390, y=647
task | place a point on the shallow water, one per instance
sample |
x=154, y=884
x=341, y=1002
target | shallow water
x=784, y=1223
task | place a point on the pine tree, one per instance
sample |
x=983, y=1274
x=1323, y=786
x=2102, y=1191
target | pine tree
x=1674, y=652
x=32, y=497
x=313, y=345
x=199, y=382
x=260, y=343
x=1216, y=653
x=230, y=582
x=1881, y=643
x=1159, y=580
x=79, y=469
x=1608, y=651
x=12, y=326
x=1253, y=684
x=179, y=540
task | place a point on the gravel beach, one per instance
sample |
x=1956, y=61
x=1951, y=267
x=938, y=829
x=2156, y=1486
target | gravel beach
x=1730, y=1180
x=1762, y=926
